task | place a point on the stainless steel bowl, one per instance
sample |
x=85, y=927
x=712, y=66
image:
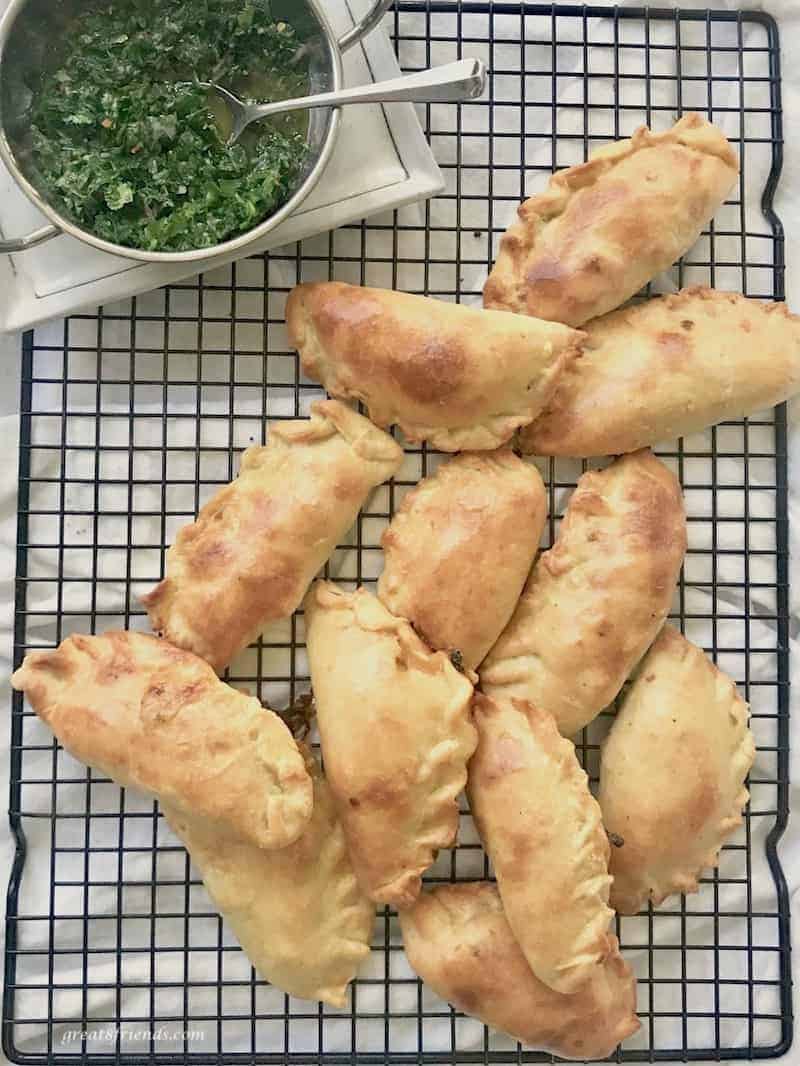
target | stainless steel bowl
x=28, y=27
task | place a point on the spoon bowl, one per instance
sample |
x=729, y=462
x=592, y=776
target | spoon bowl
x=450, y=83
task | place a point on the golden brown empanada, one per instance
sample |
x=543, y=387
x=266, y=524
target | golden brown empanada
x=672, y=773
x=667, y=368
x=157, y=718
x=596, y=600
x=542, y=829
x=603, y=229
x=256, y=545
x=298, y=913
x=394, y=719
x=459, y=942
x=448, y=374
x=459, y=549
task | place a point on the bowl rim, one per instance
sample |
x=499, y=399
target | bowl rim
x=237, y=243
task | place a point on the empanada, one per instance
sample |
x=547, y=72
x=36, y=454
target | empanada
x=668, y=368
x=459, y=549
x=157, y=718
x=394, y=719
x=603, y=229
x=256, y=545
x=298, y=913
x=542, y=829
x=445, y=373
x=596, y=600
x=672, y=773
x=458, y=940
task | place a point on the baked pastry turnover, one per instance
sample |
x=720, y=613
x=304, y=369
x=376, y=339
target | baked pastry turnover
x=154, y=717
x=257, y=544
x=542, y=829
x=445, y=373
x=672, y=773
x=596, y=600
x=667, y=368
x=603, y=229
x=458, y=940
x=298, y=913
x=394, y=720
x=471, y=528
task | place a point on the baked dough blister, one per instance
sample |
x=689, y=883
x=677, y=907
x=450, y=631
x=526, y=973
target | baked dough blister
x=603, y=229
x=258, y=543
x=396, y=731
x=157, y=718
x=449, y=374
x=459, y=550
x=542, y=829
x=667, y=368
x=596, y=600
x=458, y=940
x=298, y=913
x=672, y=773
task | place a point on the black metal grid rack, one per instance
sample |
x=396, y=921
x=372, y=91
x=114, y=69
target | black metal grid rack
x=130, y=418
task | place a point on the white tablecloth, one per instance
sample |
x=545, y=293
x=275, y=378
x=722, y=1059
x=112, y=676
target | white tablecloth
x=788, y=208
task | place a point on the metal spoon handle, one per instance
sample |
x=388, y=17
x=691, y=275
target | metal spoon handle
x=463, y=80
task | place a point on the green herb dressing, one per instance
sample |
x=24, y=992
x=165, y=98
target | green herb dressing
x=126, y=144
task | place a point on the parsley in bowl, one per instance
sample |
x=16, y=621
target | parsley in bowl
x=126, y=144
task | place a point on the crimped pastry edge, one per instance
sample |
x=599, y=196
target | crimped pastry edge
x=520, y=238
x=439, y=830
x=686, y=879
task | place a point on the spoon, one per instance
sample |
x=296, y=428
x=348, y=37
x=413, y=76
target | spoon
x=451, y=83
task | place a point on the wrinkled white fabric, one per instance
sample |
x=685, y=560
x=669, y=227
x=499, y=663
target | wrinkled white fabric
x=371, y=998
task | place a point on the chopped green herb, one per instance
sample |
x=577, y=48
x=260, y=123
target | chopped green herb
x=124, y=141
x=119, y=195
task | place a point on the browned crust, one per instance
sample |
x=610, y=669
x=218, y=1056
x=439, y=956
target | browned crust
x=673, y=770
x=543, y=832
x=394, y=720
x=159, y=719
x=667, y=368
x=475, y=524
x=604, y=228
x=257, y=544
x=596, y=600
x=442, y=372
x=458, y=940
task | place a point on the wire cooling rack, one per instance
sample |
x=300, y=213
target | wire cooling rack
x=132, y=416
